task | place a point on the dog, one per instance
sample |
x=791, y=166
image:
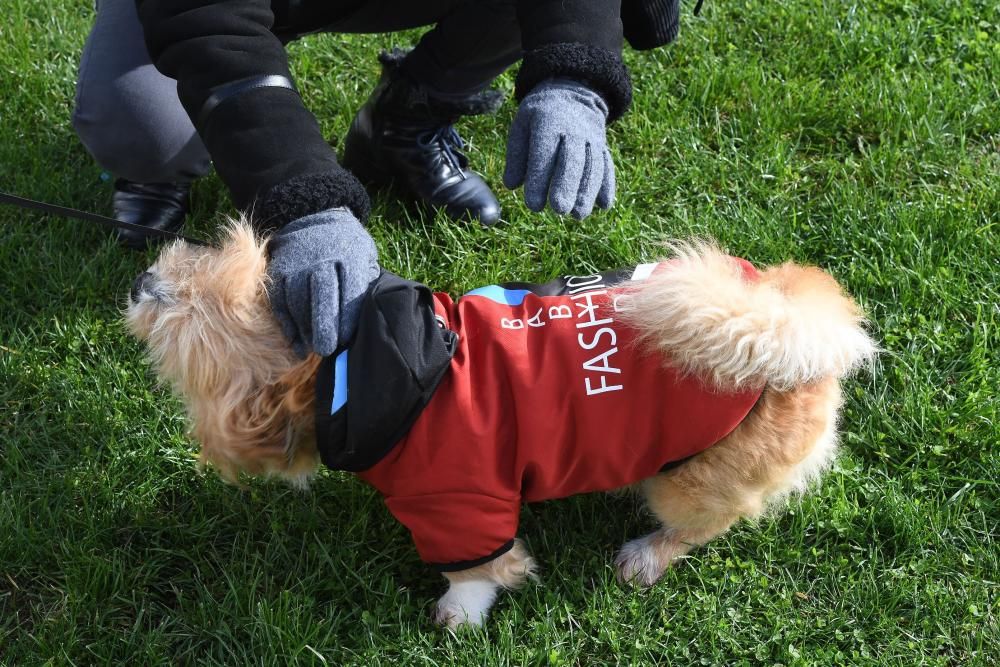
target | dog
x=744, y=365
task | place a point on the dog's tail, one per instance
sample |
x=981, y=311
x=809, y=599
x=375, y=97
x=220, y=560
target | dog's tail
x=786, y=326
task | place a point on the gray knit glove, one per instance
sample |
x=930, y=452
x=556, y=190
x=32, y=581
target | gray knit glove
x=557, y=148
x=321, y=266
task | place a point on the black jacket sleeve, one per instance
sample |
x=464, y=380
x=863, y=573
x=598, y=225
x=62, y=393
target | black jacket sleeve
x=650, y=24
x=233, y=79
x=574, y=39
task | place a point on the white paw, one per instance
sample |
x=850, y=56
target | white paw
x=640, y=562
x=455, y=617
x=466, y=604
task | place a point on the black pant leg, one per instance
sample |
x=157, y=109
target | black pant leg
x=468, y=48
x=371, y=16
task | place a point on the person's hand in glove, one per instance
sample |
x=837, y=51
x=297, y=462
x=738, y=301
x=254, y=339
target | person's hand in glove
x=321, y=266
x=557, y=148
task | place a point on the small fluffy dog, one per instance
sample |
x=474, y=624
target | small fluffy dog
x=710, y=386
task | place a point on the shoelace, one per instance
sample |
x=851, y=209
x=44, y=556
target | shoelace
x=448, y=139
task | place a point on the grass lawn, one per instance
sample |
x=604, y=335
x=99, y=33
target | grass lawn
x=864, y=137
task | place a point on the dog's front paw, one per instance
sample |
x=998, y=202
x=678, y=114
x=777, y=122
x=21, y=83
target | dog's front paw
x=454, y=617
x=642, y=562
x=466, y=604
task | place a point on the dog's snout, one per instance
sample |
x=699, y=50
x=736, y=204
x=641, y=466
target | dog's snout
x=138, y=284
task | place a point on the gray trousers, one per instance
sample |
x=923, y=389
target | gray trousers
x=130, y=119
x=127, y=114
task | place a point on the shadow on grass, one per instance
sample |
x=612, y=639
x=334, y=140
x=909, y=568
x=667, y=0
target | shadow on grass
x=113, y=520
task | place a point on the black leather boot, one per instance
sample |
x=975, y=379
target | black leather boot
x=161, y=206
x=403, y=136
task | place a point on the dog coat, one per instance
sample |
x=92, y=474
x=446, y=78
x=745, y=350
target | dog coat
x=459, y=412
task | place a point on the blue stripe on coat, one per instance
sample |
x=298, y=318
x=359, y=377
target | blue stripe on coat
x=497, y=294
x=339, y=382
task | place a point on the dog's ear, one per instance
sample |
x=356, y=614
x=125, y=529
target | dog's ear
x=242, y=260
x=269, y=432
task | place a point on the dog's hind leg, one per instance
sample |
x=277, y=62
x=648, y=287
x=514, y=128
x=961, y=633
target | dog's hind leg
x=786, y=441
x=472, y=592
x=644, y=560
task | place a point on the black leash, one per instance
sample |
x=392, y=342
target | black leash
x=65, y=212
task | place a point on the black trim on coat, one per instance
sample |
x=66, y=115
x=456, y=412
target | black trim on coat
x=222, y=93
x=300, y=196
x=466, y=564
x=670, y=465
x=399, y=356
x=600, y=69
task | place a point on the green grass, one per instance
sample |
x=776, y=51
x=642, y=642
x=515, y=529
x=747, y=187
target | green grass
x=860, y=136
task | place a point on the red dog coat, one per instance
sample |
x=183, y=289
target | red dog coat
x=545, y=395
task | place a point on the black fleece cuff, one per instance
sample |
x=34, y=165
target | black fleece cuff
x=600, y=69
x=304, y=195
